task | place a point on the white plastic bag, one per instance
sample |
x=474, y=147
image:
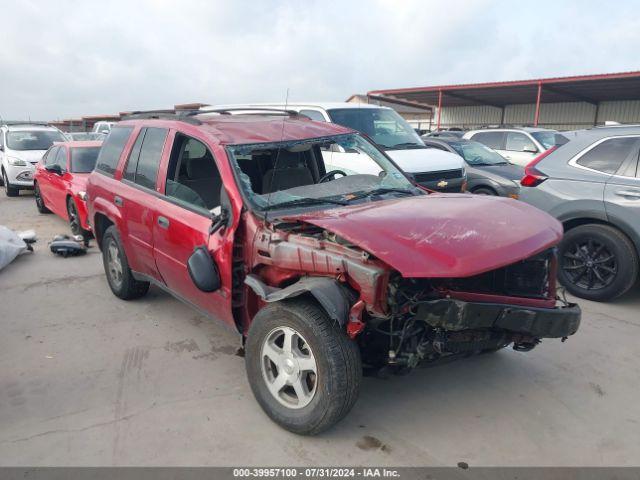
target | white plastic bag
x=11, y=245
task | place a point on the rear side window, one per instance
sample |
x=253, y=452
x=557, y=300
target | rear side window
x=112, y=149
x=145, y=164
x=313, y=115
x=608, y=155
x=519, y=142
x=493, y=140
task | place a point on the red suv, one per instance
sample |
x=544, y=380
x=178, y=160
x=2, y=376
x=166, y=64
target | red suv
x=60, y=182
x=323, y=271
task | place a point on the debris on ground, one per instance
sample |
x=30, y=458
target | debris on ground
x=66, y=246
x=13, y=244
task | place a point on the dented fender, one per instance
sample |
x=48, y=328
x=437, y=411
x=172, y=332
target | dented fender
x=330, y=294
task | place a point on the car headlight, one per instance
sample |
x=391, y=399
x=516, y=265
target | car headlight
x=16, y=162
x=83, y=196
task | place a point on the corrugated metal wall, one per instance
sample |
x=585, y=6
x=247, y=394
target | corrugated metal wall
x=561, y=116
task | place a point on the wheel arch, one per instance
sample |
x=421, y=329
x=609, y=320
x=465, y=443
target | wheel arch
x=100, y=224
x=572, y=223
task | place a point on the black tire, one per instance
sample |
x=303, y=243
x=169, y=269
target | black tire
x=74, y=219
x=9, y=189
x=613, y=258
x=337, y=358
x=40, y=205
x=484, y=191
x=123, y=286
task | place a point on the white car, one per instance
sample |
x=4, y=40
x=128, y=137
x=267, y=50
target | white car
x=102, y=127
x=517, y=145
x=21, y=147
x=434, y=169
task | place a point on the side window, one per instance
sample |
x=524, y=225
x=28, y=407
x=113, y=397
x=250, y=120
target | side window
x=493, y=140
x=61, y=158
x=149, y=158
x=112, y=149
x=132, y=162
x=313, y=115
x=193, y=178
x=50, y=157
x=519, y=142
x=608, y=155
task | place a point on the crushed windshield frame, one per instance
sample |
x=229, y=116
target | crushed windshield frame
x=249, y=196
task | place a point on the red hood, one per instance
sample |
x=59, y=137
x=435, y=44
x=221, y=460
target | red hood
x=455, y=235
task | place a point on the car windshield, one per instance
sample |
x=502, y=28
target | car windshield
x=33, y=139
x=549, y=138
x=383, y=125
x=83, y=160
x=476, y=153
x=320, y=172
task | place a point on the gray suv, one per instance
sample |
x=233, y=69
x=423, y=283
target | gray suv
x=592, y=185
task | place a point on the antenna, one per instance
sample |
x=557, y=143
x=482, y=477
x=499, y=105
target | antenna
x=275, y=162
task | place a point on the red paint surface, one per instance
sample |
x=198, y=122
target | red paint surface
x=443, y=235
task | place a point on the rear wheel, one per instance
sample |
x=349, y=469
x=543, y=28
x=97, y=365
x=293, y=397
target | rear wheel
x=597, y=262
x=40, y=205
x=303, y=369
x=484, y=191
x=9, y=189
x=74, y=219
x=116, y=266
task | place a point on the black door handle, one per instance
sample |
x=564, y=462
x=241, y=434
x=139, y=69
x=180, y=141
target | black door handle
x=163, y=222
x=117, y=200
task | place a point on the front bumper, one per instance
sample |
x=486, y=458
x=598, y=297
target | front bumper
x=21, y=176
x=457, y=315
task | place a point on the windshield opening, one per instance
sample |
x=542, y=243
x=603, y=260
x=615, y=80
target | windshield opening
x=323, y=171
x=384, y=126
x=476, y=153
x=549, y=139
x=83, y=160
x=22, y=140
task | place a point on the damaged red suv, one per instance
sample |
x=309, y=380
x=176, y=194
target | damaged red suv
x=323, y=271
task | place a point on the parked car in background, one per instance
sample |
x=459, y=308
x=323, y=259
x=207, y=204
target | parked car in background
x=487, y=172
x=518, y=145
x=60, y=182
x=444, y=133
x=242, y=217
x=103, y=127
x=21, y=147
x=444, y=173
x=85, y=136
x=592, y=185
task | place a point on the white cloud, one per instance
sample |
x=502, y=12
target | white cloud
x=72, y=58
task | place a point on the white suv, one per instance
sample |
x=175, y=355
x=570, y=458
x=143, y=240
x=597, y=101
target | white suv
x=102, y=127
x=517, y=145
x=432, y=168
x=21, y=147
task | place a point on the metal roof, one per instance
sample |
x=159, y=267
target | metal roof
x=583, y=88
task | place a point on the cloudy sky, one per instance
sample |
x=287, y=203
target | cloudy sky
x=60, y=59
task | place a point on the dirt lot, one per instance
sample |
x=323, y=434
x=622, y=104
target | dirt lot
x=87, y=379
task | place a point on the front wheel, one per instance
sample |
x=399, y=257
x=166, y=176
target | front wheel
x=40, y=205
x=74, y=219
x=597, y=262
x=303, y=369
x=9, y=189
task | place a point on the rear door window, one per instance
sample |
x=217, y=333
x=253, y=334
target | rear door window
x=607, y=157
x=493, y=140
x=519, y=142
x=149, y=158
x=112, y=149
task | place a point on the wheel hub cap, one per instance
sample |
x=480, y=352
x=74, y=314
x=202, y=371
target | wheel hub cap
x=288, y=367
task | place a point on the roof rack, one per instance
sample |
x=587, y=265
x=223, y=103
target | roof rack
x=161, y=115
x=257, y=110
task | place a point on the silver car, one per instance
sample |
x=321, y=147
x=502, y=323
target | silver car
x=592, y=185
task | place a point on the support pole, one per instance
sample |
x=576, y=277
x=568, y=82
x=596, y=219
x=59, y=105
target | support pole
x=439, y=108
x=537, y=116
x=595, y=116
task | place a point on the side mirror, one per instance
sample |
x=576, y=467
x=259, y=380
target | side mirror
x=203, y=270
x=54, y=168
x=529, y=149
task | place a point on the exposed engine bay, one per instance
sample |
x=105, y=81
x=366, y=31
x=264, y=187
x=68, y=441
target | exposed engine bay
x=400, y=323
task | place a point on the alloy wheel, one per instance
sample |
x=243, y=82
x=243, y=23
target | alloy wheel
x=289, y=367
x=114, y=262
x=36, y=193
x=589, y=264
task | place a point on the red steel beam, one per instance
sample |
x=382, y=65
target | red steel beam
x=439, y=109
x=537, y=116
